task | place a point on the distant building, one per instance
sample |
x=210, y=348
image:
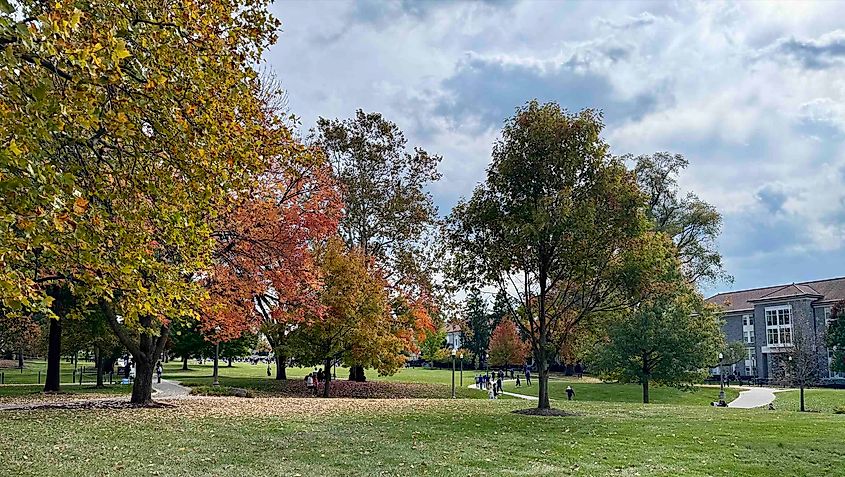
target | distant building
x=453, y=336
x=765, y=319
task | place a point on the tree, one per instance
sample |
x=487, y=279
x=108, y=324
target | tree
x=733, y=353
x=18, y=335
x=558, y=224
x=354, y=322
x=477, y=326
x=835, y=337
x=670, y=339
x=186, y=340
x=433, y=347
x=798, y=365
x=388, y=214
x=506, y=347
x=693, y=224
x=127, y=126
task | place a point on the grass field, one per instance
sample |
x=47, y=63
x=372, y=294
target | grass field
x=607, y=392
x=419, y=437
x=29, y=374
x=818, y=400
x=34, y=390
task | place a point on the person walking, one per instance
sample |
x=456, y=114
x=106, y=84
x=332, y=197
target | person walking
x=309, y=383
x=527, y=376
x=570, y=393
x=518, y=383
x=499, y=385
x=320, y=376
x=159, y=371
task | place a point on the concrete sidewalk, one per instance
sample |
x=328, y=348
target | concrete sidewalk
x=754, y=397
x=520, y=396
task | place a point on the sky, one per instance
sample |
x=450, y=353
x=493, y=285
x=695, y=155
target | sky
x=752, y=94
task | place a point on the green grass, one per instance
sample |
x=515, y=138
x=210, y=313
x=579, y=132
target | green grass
x=29, y=374
x=819, y=400
x=465, y=437
x=609, y=392
x=37, y=390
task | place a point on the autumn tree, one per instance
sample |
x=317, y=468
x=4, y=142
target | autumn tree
x=353, y=324
x=388, y=213
x=18, y=335
x=670, y=339
x=126, y=127
x=558, y=223
x=506, y=346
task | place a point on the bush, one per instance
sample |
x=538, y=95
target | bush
x=839, y=410
x=221, y=391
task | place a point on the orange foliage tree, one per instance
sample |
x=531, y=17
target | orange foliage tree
x=506, y=346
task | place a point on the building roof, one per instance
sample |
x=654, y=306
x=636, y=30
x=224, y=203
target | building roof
x=828, y=290
x=452, y=328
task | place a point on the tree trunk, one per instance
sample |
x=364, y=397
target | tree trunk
x=801, y=392
x=185, y=363
x=543, y=372
x=98, y=358
x=54, y=357
x=281, y=371
x=230, y=363
x=645, y=390
x=215, y=375
x=356, y=373
x=20, y=359
x=327, y=375
x=142, y=388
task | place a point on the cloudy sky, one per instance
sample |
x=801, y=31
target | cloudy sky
x=753, y=94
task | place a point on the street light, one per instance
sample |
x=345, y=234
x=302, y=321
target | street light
x=721, y=379
x=462, y=369
x=454, y=351
x=216, y=356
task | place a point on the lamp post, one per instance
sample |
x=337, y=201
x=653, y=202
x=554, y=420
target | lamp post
x=454, y=351
x=487, y=364
x=721, y=379
x=216, y=356
x=462, y=369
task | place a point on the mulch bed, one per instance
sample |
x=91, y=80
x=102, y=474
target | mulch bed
x=90, y=404
x=545, y=412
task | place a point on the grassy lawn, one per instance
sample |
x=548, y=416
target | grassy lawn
x=435, y=437
x=33, y=390
x=594, y=391
x=819, y=400
x=29, y=375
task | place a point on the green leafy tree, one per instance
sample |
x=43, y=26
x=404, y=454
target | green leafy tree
x=835, y=337
x=186, y=341
x=432, y=348
x=477, y=326
x=693, y=224
x=670, y=340
x=558, y=223
x=732, y=353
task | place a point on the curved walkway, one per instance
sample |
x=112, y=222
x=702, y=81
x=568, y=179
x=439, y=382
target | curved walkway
x=754, y=397
x=170, y=389
x=520, y=396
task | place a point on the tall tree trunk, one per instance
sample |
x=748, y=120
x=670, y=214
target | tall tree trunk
x=543, y=372
x=327, y=375
x=20, y=359
x=98, y=358
x=230, y=363
x=645, y=390
x=54, y=357
x=356, y=373
x=281, y=367
x=215, y=374
x=801, y=392
x=142, y=388
x=185, y=363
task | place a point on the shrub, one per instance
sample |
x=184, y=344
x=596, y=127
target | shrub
x=221, y=391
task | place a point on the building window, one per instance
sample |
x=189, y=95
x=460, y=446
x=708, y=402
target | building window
x=747, y=320
x=750, y=362
x=827, y=312
x=779, y=326
x=748, y=336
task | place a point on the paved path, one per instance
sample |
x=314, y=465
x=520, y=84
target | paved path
x=169, y=389
x=520, y=396
x=754, y=397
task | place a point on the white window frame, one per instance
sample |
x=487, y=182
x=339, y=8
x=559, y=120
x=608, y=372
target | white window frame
x=748, y=329
x=780, y=328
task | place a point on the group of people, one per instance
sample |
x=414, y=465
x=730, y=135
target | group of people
x=314, y=379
